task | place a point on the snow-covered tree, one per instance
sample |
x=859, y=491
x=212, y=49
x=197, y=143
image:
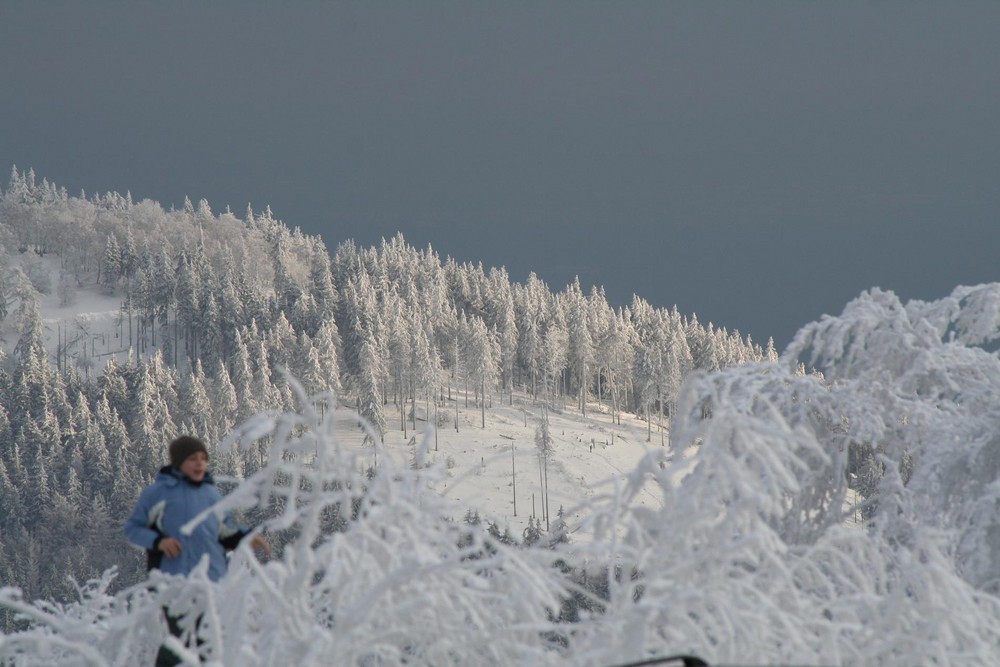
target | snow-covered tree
x=371, y=371
x=580, y=352
x=505, y=324
x=555, y=349
x=111, y=264
x=482, y=352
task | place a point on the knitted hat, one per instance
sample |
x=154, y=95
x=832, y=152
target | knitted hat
x=183, y=447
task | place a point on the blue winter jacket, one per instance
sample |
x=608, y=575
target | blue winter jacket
x=169, y=503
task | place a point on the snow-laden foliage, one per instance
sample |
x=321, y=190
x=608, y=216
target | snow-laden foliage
x=918, y=385
x=755, y=551
x=375, y=573
x=757, y=554
x=183, y=317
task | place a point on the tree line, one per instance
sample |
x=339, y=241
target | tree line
x=215, y=307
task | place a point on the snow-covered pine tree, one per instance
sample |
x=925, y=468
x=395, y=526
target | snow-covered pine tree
x=482, y=352
x=503, y=316
x=580, y=352
x=111, y=264
x=555, y=343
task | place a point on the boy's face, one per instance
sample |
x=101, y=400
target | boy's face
x=195, y=466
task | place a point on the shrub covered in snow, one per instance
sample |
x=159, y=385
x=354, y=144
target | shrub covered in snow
x=754, y=555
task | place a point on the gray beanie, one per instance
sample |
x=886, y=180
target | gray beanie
x=183, y=447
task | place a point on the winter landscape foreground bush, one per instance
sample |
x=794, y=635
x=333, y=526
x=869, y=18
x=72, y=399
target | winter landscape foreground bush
x=752, y=558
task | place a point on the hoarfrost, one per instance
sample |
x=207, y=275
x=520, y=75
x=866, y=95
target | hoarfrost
x=755, y=555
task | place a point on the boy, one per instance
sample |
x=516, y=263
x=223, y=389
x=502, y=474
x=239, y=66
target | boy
x=181, y=491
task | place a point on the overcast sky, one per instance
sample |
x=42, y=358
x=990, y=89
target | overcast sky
x=756, y=163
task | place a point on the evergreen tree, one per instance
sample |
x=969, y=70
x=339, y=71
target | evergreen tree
x=701, y=344
x=677, y=360
x=281, y=340
x=30, y=347
x=286, y=290
x=11, y=508
x=425, y=367
x=224, y=400
x=615, y=356
x=111, y=264
x=398, y=354
x=307, y=368
x=4, y=295
x=129, y=254
x=304, y=315
x=482, y=353
x=114, y=386
x=31, y=370
x=242, y=381
x=531, y=326
x=322, y=287
x=37, y=495
x=150, y=417
x=262, y=388
x=195, y=407
x=231, y=309
x=326, y=343
x=555, y=345
x=369, y=390
x=771, y=354
x=211, y=339
x=142, y=300
x=164, y=282
x=580, y=351
x=188, y=296
x=505, y=324
x=96, y=477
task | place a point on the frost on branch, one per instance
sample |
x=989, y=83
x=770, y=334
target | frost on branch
x=757, y=556
x=842, y=516
x=393, y=580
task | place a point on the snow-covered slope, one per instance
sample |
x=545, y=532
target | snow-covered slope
x=586, y=451
x=486, y=465
x=729, y=540
x=90, y=324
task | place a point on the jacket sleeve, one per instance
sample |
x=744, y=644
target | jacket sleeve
x=230, y=534
x=138, y=528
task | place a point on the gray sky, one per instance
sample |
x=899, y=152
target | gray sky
x=756, y=163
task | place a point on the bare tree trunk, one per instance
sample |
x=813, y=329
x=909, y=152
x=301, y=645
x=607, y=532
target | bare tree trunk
x=649, y=424
x=547, y=511
x=513, y=477
x=541, y=487
x=659, y=420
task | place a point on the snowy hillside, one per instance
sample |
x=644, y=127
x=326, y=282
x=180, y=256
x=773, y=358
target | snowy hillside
x=677, y=489
x=737, y=553
x=485, y=465
x=87, y=330
x=585, y=451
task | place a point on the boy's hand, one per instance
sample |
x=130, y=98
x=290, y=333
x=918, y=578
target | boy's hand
x=260, y=544
x=170, y=546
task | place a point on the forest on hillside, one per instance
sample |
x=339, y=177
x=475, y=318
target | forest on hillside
x=750, y=557
x=215, y=309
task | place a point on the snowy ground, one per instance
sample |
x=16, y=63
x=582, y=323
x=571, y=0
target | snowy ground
x=89, y=328
x=484, y=471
